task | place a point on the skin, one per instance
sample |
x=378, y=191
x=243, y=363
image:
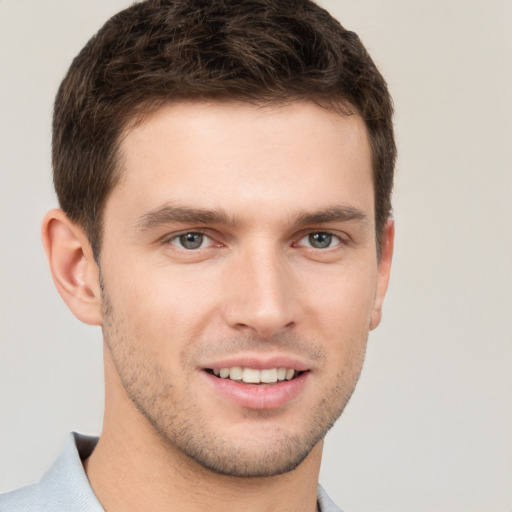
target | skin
x=257, y=184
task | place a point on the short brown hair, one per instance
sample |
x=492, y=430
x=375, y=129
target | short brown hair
x=257, y=51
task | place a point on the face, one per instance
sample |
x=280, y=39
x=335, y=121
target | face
x=240, y=279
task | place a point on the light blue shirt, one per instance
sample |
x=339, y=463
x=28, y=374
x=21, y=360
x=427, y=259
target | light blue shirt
x=65, y=488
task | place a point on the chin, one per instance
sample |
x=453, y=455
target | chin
x=263, y=459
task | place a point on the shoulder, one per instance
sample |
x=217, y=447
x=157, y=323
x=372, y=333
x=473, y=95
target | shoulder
x=26, y=499
x=325, y=504
x=63, y=488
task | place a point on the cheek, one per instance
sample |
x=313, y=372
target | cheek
x=158, y=288
x=164, y=308
x=342, y=300
x=339, y=313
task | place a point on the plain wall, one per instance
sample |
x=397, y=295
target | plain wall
x=429, y=427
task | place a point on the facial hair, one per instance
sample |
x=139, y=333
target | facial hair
x=178, y=419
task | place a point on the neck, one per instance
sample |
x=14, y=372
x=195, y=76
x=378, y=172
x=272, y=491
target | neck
x=133, y=467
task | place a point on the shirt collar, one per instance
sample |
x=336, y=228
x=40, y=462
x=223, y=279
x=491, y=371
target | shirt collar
x=66, y=483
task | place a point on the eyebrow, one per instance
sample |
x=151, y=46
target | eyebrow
x=334, y=214
x=170, y=213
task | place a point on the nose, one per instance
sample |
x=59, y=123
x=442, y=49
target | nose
x=262, y=298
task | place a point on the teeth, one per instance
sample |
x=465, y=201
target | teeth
x=281, y=373
x=235, y=373
x=269, y=376
x=255, y=376
x=252, y=376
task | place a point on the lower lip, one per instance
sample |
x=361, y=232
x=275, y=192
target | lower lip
x=259, y=396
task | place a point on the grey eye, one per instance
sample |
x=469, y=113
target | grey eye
x=320, y=240
x=191, y=240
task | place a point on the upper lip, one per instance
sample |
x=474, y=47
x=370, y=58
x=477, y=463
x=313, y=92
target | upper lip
x=260, y=362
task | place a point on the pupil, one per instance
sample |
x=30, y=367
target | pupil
x=320, y=240
x=191, y=240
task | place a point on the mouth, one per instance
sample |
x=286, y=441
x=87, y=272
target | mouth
x=248, y=375
x=257, y=384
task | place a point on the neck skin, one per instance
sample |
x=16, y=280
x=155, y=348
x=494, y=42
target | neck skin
x=132, y=465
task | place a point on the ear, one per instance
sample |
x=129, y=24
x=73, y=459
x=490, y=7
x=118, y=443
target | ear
x=384, y=269
x=74, y=270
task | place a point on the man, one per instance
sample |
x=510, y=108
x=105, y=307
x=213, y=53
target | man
x=224, y=172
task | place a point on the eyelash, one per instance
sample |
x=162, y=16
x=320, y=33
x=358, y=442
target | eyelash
x=176, y=237
x=330, y=234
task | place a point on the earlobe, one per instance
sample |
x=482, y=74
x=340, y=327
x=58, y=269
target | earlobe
x=74, y=270
x=384, y=269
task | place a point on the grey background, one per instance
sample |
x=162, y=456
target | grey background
x=430, y=425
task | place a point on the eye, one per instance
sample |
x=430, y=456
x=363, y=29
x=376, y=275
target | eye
x=190, y=240
x=320, y=240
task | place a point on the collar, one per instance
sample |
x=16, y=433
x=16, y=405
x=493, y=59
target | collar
x=65, y=485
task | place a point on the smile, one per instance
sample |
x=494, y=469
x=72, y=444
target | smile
x=254, y=375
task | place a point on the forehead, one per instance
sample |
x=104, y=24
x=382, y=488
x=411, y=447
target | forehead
x=246, y=158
